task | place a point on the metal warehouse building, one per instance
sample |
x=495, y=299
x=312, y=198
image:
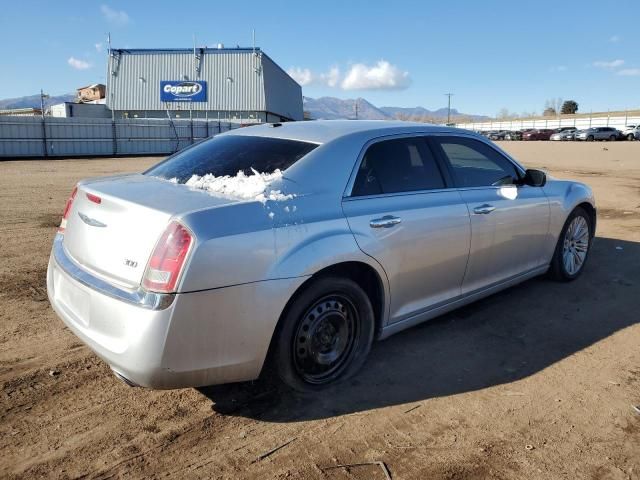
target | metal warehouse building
x=229, y=84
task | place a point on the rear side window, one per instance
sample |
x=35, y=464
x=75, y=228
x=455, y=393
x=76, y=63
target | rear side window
x=230, y=154
x=476, y=164
x=400, y=165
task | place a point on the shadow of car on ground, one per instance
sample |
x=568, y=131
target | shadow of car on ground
x=500, y=339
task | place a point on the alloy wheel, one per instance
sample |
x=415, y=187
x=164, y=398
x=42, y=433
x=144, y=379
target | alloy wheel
x=576, y=245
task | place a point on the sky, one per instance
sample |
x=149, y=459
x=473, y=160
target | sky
x=491, y=55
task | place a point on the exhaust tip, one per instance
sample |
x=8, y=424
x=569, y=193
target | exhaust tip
x=124, y=379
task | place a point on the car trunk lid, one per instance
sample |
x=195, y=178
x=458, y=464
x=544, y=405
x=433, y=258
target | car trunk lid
x=115, y=223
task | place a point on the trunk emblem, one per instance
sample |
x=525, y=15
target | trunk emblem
x=91, y=221
x=130, y=263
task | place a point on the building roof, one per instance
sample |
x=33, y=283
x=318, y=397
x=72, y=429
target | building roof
x=93, y=85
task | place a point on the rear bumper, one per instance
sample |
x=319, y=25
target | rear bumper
x=201, y=338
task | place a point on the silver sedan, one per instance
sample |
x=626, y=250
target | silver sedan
x=290, y=247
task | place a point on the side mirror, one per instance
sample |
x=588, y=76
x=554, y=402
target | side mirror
x=535, y=178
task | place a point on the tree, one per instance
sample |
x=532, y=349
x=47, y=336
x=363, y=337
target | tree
x=569, y=107
x=504, y=114
x=549, y=112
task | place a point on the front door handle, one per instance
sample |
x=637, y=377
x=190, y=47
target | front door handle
x=387, y=221
x=484, y=209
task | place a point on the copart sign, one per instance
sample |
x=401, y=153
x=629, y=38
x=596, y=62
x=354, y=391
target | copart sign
x=183, y=91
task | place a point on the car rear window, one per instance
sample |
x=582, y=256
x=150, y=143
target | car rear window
x=230, y=154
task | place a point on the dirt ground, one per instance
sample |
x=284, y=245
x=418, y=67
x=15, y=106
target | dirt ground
x=537, y=382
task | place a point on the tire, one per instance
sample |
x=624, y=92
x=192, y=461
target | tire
x=560, y=269
x=590, y=138
x=630, y=137
x=612, y=138
x=324, y=336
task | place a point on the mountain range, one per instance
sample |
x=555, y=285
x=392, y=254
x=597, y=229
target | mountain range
x=325, y=108
x=33, y=101
x=331, y=108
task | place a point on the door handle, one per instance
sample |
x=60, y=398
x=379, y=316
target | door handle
x=484, y=209
x=387, y=221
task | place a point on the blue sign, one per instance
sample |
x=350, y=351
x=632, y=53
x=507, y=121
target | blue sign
x=183, y=91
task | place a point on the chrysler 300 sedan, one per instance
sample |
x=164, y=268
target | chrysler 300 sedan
x=290, y=247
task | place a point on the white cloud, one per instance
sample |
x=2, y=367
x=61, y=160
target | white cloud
x=559, y=68
x=99, y=47
x=630, y=72
x=301, y=75
x=615, y=38
x=332, y=77
x=381, y=76
x=119, y=18
x=611, y=64
x=78, y=64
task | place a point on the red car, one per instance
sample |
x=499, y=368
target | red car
x=537, y=134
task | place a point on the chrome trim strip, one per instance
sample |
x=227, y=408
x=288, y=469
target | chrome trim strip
x=139, y=297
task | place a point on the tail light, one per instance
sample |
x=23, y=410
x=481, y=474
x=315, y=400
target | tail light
x=167, y=260
x=67, y=209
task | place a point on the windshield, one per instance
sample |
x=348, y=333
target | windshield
x=230, y=154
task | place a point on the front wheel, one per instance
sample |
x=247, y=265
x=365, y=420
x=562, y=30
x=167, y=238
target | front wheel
x=572, y=249
x=590, y=138
x=325, y=335
x=630, y=137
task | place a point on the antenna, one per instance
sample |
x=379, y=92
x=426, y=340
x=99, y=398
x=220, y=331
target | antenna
x=109, y=42
x=253, y=39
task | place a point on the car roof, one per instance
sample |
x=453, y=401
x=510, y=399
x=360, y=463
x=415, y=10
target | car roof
x=324, y=131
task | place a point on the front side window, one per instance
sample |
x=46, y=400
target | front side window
x=476, y=164
x=230, y=154
x=399, y=165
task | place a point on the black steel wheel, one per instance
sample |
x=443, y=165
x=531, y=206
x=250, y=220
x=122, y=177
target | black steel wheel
x=325, y=334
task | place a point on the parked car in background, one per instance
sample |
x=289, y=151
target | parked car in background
x=537, y=134
x=599, y=133
x=499, y=135
x=513, y=135
x=631, y=132
x=240, y=253
x=564, y=134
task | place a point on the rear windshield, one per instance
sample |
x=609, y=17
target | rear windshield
x=230, y=154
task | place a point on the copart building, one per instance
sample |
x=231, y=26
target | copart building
x=229, y=84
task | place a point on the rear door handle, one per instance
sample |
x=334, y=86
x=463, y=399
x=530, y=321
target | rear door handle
x=484, y=209
x=387, y=221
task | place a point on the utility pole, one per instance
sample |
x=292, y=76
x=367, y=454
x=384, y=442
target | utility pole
x=44, y=125
x=449, y=95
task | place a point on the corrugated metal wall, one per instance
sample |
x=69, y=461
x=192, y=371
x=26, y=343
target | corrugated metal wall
x=68, y=137
x=234, y=80
x=283, y=93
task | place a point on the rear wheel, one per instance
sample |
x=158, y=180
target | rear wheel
x=630, y=137
x=612, y=138
x=572, y=249
x=325, y=335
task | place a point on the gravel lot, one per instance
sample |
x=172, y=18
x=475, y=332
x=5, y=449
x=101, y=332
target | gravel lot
x=536, y=382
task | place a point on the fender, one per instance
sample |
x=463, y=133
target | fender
x=564, y=196
x=304, y=250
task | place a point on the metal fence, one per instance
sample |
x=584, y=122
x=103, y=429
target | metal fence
x=618, y=120
x=68, y=137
